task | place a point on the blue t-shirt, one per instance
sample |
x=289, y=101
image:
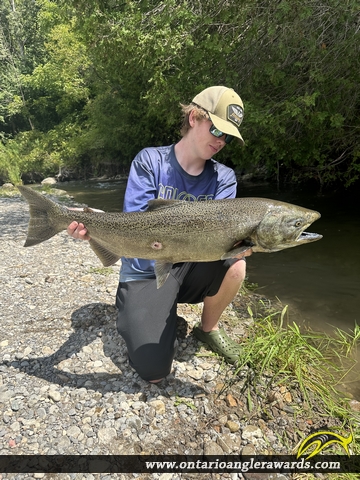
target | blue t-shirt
x=156, y=173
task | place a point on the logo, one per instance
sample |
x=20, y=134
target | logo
x=321, y=440
x=235, y=114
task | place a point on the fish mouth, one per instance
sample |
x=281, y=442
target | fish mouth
x=307, y=237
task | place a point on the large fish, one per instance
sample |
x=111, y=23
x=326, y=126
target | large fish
x=172, y=231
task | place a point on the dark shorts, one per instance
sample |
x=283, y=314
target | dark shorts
x=147, y=316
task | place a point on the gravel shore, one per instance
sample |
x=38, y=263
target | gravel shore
x=66, y=387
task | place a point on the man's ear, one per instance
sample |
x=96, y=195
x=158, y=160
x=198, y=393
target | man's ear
x=192, y=118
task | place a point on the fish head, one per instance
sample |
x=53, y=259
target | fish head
x=283, y=227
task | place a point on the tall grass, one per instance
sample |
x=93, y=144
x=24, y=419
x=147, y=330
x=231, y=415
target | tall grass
x=315, y=361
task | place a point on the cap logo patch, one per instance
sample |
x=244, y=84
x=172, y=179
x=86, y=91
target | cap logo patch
x=235, y=114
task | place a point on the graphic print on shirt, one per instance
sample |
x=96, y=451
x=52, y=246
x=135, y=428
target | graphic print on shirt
x=167, y=192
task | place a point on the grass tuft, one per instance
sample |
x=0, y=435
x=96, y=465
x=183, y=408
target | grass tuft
x=312, y=362
x=278, y=349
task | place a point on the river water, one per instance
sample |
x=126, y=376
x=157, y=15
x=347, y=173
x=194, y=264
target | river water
x=320, y=281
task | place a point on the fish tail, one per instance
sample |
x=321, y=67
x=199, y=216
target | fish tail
x=41, y=227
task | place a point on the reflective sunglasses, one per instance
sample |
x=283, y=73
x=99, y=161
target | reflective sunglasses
x=218, y=134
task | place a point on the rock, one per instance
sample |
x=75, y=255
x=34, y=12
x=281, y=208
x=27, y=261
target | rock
x=15, y=406
x=134, y=422
x=166, y=476
x=229, y=443
x=354, y=405
x=6, y=395
x=212, y=448
x=137, y=405
x=15, y=427
x=49, y=181
x=159, y=406
x=232, y=426
x=106, y=435
x=224, y=445
x=195, y=373
x=12, y=443
x=249, y=450
x=219, y=387
x=54, y=395
x=231, y=401
x=63, y=443
x=86, y=278
x=73, y=431
x=27, y=351
x=250, y=432
x=210, y=376
x=41, y=413
x=287, y=397
x=46, y=350
x=223, y=419
x=265, y=476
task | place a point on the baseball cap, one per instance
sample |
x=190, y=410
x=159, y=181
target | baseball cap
x=225, y=108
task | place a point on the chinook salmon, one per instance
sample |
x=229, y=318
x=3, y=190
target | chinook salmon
x=173, y=231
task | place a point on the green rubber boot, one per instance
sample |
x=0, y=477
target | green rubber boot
x=220, y=343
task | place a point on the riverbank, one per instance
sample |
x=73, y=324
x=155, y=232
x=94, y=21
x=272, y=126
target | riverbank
x=66, y=387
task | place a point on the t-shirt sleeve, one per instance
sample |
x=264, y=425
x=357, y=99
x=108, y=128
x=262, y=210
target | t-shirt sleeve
x=141, y=185
x=227, y=184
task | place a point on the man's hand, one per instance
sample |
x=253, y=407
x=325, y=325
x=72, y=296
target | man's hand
x=78, y=230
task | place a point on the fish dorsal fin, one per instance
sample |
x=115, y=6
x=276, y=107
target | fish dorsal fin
x=103, y=253
x=162, y=270
x=161, y=203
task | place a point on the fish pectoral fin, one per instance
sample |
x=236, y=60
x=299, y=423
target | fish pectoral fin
x=238, y=250
x=103, y=253
x=159, y=203
x=162, y=270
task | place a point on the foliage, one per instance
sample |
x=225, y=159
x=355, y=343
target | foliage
x=308, y=55
x=95, y=81
x=285, y=353
x=9, y=163
x=101, y=270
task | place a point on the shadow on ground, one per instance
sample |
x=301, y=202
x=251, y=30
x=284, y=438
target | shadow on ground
x=89, y=323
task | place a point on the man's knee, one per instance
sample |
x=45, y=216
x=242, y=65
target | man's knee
x=237, y=271
x=151, y=364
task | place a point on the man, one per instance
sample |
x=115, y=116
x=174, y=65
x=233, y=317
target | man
x=185, y=171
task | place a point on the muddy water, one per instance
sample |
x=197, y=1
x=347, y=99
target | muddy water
x=320, y=281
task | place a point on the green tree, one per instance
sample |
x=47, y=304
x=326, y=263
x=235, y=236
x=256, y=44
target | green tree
x=295, y=64
x=301, y=68
x=109, y=76
x=20, y=50
x=48, y=90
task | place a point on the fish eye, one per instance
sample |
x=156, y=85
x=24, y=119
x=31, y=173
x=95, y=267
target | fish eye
x=298, y=223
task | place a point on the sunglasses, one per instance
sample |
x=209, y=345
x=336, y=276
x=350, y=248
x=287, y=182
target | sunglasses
x=218, y=134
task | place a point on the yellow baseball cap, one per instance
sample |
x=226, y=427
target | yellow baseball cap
x=225, y=108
